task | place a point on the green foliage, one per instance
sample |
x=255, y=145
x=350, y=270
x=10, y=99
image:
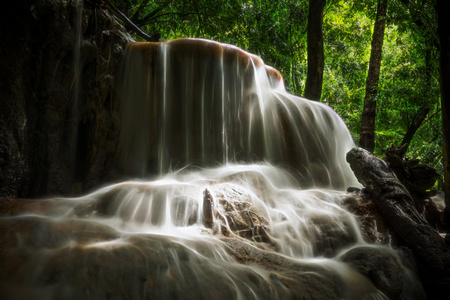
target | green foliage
x=347, y=36
x=408, y=79
x=276, y=31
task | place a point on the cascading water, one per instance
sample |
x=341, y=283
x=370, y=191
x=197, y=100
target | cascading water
x=201, y=103
x=77, y=56
x=275, y=227
x=76, y=90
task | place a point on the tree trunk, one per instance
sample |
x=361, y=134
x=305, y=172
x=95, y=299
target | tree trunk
x=313, y=88
x=397, y=207
x=443, y=13
x=367, y=134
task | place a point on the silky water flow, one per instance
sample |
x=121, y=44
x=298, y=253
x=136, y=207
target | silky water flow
x=246, y=204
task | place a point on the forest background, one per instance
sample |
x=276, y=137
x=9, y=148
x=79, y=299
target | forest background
x=408, y=106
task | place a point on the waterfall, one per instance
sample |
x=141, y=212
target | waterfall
x=77, y=55
x=202, y=103
x=76, y=90
x=246, y=201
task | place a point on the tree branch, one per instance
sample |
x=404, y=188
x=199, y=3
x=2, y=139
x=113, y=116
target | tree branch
x=130, y=24
x=151, y=15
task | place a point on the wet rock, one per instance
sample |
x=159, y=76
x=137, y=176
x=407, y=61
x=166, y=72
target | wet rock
x=14, y=206
x=298, y=280
x=379, y=266
x=434, y=212
x=79, y=259
x=330, y=236
x=46, y=143
x=240, y=216
x=372, y=224
x=208, y=210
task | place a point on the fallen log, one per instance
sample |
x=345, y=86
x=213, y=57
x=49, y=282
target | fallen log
x=398, y=209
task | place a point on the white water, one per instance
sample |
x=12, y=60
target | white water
x=146, y=239
x=279, y=231
x=201, y=103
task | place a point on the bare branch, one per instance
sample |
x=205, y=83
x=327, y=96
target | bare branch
x=127, y=21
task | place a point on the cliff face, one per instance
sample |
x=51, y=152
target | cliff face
x=51, y=140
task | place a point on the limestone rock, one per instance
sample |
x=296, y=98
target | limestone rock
x=46, y=144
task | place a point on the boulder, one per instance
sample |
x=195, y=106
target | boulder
x=379, y=266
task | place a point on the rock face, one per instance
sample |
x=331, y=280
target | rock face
x=41, y=116
x=78, y=266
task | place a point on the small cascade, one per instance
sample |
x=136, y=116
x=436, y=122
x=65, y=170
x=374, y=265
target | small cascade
x=202, y=103
x=147, y=239
x=76, y=90
x=77, y=55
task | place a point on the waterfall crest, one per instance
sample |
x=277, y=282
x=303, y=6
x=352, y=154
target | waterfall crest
x=202, y=103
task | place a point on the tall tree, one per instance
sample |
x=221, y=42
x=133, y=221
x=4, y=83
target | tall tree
x=313, y=87
x=367, y=133
x=443, y=12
